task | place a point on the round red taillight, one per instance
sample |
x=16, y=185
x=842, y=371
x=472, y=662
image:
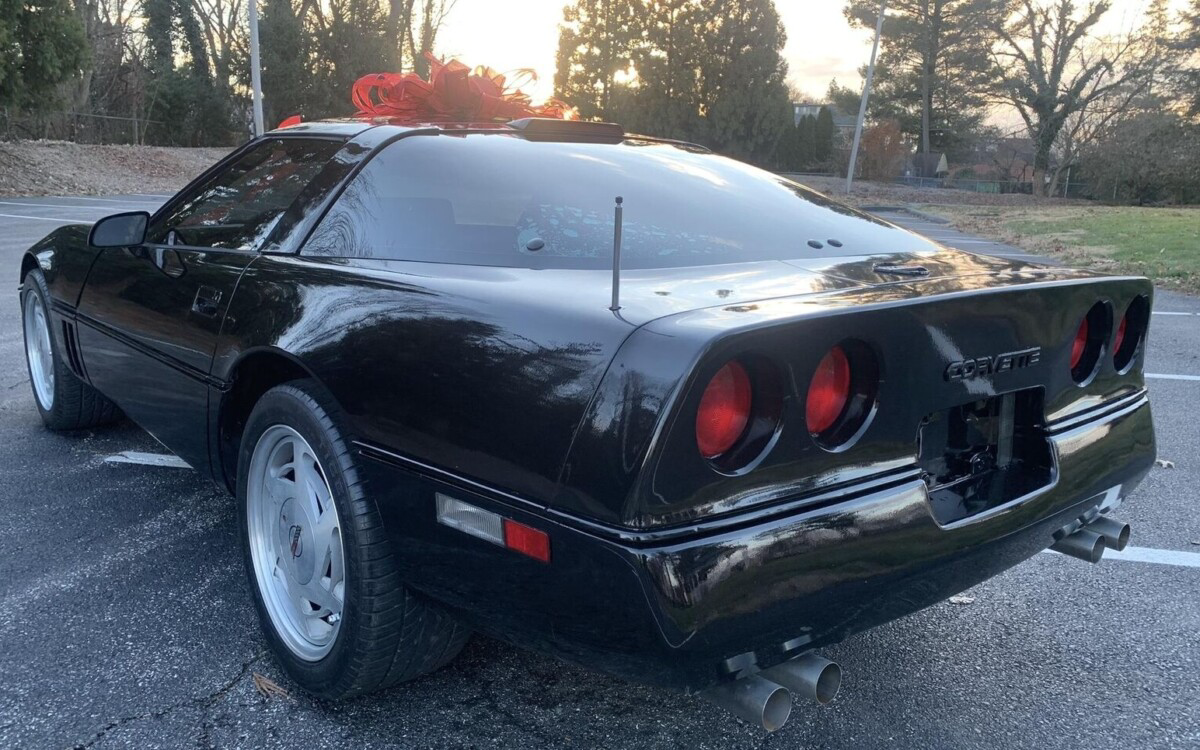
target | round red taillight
x=724, y=410
x=829, y=391
x=1121, y=333
x=1080, y=344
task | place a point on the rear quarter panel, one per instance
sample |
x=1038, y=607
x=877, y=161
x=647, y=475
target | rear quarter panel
x=461, y=371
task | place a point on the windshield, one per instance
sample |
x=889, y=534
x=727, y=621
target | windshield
x=502, y=200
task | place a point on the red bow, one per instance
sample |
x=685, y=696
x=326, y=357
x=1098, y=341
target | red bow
x=453, y=93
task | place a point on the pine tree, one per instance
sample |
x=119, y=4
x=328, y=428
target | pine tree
x=596, y=42
x=934, y=65
x=1187, y=76
x=286, y=67
x=806, y=134
x=42, y=44
x=743, y=96
x=667, y=62
x=823, y=136
x=354, y=45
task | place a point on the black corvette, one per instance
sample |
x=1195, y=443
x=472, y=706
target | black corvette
x=612, y=397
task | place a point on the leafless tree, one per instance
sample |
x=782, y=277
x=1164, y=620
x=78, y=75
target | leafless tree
x=1052, y=69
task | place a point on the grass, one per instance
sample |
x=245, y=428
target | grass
x=1161, y=243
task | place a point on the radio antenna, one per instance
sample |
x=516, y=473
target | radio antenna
x=616, y=281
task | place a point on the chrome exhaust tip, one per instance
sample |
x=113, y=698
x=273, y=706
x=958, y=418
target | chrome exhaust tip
x=808, y=675
x=754, y=699
x=1115, y=533
x=1084, y=544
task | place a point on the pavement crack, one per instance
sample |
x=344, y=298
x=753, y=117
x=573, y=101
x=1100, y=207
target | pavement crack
x=215, y=697
x=18, y=384
x=202, y=703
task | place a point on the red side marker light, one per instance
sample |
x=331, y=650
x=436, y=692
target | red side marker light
x=1121, y=333
x=1080, y=344
x=828, y=392
x=526, y=540
x=492, y=527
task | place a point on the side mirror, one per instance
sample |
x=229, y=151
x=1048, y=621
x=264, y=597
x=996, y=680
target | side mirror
x=120, y=230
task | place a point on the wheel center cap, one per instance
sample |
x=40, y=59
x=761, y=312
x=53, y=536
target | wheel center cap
x=297, y=545
x=296, y=541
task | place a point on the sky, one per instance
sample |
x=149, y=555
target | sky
x=821, y=45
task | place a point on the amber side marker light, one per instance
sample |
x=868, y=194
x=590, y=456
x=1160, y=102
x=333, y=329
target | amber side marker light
x=492, y=527
x=724, y=410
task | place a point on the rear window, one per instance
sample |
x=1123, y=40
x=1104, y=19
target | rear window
x=500, y=200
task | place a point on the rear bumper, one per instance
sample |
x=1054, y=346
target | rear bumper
x=686, y=612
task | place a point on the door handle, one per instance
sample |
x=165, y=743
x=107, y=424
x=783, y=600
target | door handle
x=207, y=302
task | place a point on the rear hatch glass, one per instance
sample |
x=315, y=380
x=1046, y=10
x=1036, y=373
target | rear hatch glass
x=497, y=199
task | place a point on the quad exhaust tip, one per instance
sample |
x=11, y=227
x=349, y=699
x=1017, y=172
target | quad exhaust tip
x=1115, y=533
x=1089, y=542
x=809, y=675
x=754, y=699
x=1084, y=544
x=765, y=699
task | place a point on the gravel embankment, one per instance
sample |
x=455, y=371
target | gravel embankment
x=61, y=168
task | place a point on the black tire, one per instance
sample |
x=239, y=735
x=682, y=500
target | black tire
x=387, y=635
x=75, y=404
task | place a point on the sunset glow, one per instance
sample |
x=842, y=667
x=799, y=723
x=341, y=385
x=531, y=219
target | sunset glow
x=821, y=44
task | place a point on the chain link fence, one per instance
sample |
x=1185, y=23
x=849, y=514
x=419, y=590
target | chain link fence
x=1067, y=190
x=78, y=127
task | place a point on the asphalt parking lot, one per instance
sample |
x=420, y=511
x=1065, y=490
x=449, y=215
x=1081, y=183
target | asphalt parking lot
x=127, y=621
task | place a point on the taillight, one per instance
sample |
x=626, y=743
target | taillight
x=724, y=410
x=1130, y=332
x=829, y=391
x=1090, y=339
x=842, y=394
x=1079, y=346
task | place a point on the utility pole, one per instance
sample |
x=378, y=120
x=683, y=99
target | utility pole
x=862, y=104
x=255, y=79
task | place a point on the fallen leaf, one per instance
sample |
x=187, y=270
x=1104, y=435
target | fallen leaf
x=960, y=599
x=267, y=687
x=1163, y=464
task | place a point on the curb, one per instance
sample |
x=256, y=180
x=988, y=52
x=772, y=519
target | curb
x=905, y=210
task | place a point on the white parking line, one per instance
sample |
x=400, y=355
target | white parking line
x=55, y=205
x=131, y=199
x=1159, y=376
x=1150, y=555
x=1157, y=556
x=60, y=220
x=147, y=459
x=1161, y=312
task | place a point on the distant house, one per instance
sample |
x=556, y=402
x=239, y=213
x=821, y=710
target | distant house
x=800, y=110
x=843, y=124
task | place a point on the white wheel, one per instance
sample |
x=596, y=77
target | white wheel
x=295, y=542
x=39, y=350
x=322, y=571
